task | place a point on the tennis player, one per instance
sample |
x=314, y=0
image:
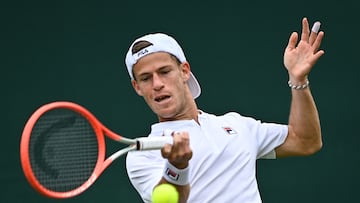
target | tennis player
x=213, y=157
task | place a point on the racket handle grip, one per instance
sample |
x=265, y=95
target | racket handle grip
x=151, y=143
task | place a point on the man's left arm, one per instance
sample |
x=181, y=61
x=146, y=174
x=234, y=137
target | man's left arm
x=304, y=131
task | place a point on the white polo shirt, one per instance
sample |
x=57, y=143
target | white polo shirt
x=223, y=166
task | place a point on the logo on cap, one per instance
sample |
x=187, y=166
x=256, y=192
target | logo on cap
x=142, y=53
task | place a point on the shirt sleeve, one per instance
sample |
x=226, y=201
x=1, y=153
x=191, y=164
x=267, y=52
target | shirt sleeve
x=145, y=170
x=269, y=136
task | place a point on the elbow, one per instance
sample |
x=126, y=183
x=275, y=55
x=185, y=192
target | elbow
x=313, y=147
x=307, y=142
x=320, y=145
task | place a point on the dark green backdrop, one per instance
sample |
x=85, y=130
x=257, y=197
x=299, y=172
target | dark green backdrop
x=74, y=50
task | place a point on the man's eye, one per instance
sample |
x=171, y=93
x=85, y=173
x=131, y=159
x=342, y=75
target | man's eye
x=165, y=72
x=144, y=79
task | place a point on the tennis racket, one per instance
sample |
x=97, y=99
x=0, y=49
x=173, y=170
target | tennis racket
x=62, y=149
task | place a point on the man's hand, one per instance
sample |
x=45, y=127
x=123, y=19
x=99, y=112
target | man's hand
x=299, y=58
x=179, y=153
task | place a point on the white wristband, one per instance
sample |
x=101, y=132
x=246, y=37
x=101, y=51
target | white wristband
x=176, y=176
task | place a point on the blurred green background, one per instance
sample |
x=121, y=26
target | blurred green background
x=74, y=50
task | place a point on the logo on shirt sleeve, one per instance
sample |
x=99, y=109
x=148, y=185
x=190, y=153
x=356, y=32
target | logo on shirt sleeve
x=229, y=130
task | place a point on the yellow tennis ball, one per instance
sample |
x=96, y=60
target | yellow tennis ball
x=165, y=193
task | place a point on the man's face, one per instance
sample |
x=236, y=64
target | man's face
x=162, y=81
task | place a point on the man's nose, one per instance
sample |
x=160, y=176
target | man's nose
x=157, y=82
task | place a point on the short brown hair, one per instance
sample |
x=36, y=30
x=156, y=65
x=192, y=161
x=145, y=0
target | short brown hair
x=140, y=45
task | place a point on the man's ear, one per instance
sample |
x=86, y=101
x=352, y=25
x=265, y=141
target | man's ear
x=185, y=68
x=136, y=87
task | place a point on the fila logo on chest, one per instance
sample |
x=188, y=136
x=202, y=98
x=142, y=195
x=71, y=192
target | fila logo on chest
x=229, y=130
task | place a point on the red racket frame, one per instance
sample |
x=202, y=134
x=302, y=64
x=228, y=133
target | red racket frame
x=100, y=131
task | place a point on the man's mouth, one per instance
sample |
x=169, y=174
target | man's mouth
x=161, y=98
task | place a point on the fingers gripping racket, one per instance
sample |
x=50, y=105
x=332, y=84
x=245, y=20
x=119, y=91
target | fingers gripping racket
x=62, y=149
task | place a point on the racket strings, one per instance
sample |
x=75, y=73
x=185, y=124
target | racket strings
x=63, y=150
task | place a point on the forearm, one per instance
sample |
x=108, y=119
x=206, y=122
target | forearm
x=304, y=121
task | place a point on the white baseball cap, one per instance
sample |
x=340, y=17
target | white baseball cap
x=161, y=43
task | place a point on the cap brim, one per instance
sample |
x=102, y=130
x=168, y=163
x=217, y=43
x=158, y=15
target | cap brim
x=194, y=86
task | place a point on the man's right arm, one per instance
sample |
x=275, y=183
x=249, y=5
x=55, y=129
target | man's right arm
x=178, y=155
